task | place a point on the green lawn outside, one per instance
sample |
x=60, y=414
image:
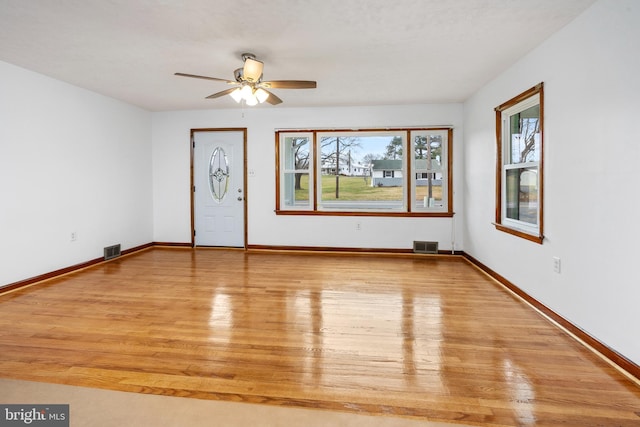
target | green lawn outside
x=355, y=188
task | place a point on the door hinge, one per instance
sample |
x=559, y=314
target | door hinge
x=194, y=188
x=194, y=232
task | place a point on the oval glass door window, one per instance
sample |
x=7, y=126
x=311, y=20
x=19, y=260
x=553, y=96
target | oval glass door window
x=218, y=174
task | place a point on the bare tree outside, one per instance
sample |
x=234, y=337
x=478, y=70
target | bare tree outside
x=525, y=150
x=336, y=150
x=300, y=148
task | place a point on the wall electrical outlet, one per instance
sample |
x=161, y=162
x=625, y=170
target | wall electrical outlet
x=74, y=236
x=358, y=226
x=556, y=264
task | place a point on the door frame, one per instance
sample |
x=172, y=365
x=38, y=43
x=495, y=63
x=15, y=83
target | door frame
x=192, y=144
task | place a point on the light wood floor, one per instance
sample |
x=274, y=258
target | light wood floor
x=427, y=338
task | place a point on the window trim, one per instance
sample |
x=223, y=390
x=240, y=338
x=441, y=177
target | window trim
x=413, y=167
x=503, y=224
x=310, y=168
x=326, y=206
x=314, y=208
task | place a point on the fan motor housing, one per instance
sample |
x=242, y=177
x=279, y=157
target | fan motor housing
x=238, y=74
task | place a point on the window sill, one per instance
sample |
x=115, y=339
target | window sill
x=379, y=214
x=531, y=237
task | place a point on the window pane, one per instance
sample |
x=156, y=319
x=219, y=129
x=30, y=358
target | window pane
x=295, y=190
x=295, y=161
x=360, y=171
x=522, y=194
x=296, y=152
x=429, y=191
x=428, y=152
x=525, y=135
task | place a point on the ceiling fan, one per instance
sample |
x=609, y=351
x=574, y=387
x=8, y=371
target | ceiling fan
x=250, y=87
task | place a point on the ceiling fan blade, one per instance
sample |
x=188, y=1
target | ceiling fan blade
x=272, y=99
x=204, y=77
x=289, y=84
x=221, y=93
x=252, y=70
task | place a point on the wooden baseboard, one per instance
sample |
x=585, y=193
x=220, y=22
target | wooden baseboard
x=137, y=248
x=327, y=249
x=50, y=275
x=66, y=270
x=173, y=244
x=323, y=249
x=613, y=356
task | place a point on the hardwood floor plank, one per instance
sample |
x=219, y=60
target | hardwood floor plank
x=420, y=337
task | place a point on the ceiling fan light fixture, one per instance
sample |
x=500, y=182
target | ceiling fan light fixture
x=251, y=101
x=248, y=84
x=236, y=95
x=252, y=70
x=246, y=91
x=262, y=95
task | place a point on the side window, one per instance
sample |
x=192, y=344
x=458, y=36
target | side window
x=296, y=169
x=430, y=153
x=519, y=172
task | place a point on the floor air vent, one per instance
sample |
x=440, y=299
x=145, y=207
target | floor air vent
x=111, y=252
x=425, y=247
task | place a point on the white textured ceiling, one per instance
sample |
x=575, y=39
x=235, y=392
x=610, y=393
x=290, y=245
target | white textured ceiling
x=361, y=52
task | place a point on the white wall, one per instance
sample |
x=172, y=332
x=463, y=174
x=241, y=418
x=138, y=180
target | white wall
x=591, y=73
x=171, y=178
x=70, y=161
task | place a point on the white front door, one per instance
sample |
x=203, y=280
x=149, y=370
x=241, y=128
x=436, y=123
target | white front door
x=219, y=199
